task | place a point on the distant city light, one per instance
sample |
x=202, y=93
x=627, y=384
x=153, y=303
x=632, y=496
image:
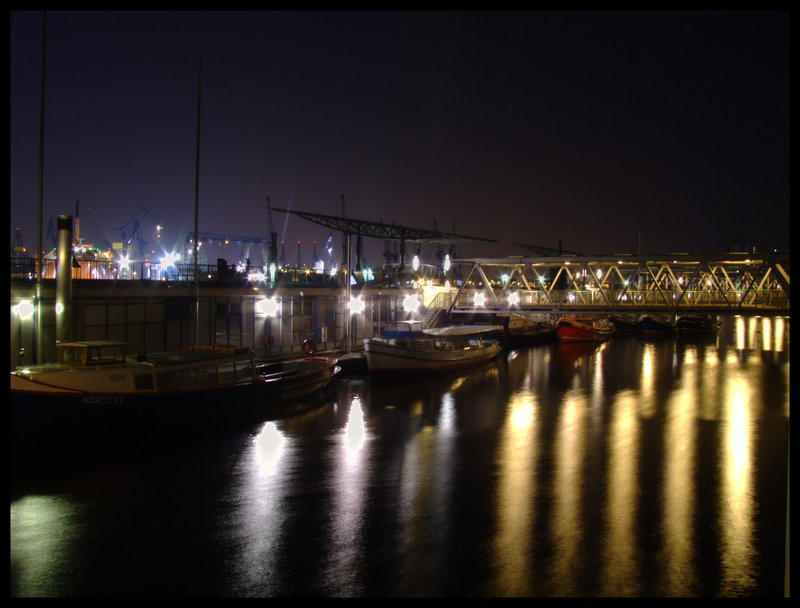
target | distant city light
x=169, y=259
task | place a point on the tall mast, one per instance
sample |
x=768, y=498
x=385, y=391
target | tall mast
x=197, y=204
x=39, y=262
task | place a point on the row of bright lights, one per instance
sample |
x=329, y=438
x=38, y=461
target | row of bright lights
x=270, y=307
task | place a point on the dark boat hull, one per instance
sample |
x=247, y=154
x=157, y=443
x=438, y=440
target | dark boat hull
x=696, y=324
x=652, y=327
x=35, y=413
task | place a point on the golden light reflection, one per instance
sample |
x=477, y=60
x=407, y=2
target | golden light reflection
x=736, y=504
x=516, y=462
x=597, y=373
x=741, y=336
x=752, y=332
x=620, y=557
x=766, y=334
x=680, y=442
x=567, y=531
x=647, y=391
x=780, y=329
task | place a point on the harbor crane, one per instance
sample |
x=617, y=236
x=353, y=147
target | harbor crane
x=273, y=237
x=132, y=230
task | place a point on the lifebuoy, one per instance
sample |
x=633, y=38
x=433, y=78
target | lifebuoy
x=269, y=340
x=309, y=348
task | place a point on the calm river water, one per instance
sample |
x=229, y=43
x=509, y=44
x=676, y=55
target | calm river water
x=631, y=468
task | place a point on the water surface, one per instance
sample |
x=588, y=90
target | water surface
x=626, y=469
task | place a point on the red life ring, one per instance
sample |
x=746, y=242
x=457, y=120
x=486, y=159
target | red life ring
x=269, y=340
x=309, y=348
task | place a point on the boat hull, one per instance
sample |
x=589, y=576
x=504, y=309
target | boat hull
x=654, y=327
x=575, y=330
x=623, y=325
x=39, y=409
x=386, y=358
x=695, y=324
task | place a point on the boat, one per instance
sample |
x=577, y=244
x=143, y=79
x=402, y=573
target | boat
x=404, y=346
x=654, y=326
x=697, y=324
x=96, y=383
x=519, y=330
x=623, y=323
x=583, y=328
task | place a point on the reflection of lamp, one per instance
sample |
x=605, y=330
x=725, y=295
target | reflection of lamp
x=513, y=298
x=479, y=299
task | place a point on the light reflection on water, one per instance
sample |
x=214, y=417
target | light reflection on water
x=627, y=469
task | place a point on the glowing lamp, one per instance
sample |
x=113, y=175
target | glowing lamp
x=411, y=303
x=267, y=307
x=169, y=259
x=24, y=309
x=357, y=305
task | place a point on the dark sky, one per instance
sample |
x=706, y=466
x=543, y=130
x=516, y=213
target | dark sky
x=605, y=131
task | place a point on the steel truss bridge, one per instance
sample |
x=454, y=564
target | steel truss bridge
x=746, y=283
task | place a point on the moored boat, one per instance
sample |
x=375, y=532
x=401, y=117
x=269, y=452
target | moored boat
x=654, y=326
x=623, y=323
x=95, y=383
x=583, y=328
x=697, y=324
x=519, y=330
x=404, y=346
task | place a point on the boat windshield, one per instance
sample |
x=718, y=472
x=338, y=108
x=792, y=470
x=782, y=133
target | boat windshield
x=105, y=354
x=91, y=354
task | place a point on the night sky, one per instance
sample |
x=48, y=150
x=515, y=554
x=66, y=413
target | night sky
x=607, y=132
